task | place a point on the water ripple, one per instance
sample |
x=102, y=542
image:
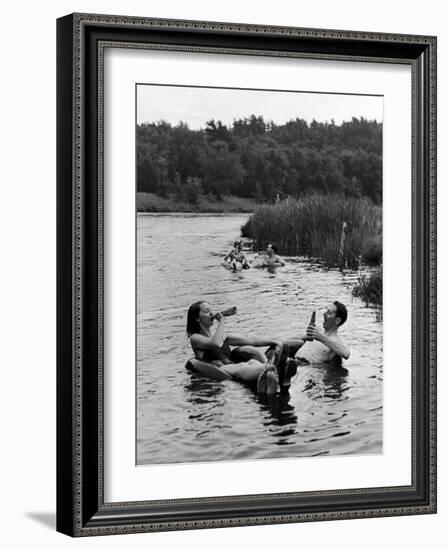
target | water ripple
x=183, y=417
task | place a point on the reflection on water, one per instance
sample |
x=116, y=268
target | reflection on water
x=184, y=417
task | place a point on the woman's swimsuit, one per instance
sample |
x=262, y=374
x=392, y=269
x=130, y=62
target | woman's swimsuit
x=223, y=354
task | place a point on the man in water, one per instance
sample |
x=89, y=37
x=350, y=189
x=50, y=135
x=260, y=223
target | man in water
x=272, y=259
x=324, y=346
x=318, y=347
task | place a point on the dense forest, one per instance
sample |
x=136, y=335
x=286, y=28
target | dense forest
x=260, y=160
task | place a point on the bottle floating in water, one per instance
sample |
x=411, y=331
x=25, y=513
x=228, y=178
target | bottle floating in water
x=312, y=323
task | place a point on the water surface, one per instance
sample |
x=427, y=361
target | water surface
x=184, y=417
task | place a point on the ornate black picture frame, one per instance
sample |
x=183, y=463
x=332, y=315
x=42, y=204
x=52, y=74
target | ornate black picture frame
x=81, y=508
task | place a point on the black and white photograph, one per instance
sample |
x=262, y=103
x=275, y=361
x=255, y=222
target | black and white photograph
x=259, y=285
x=223, y=264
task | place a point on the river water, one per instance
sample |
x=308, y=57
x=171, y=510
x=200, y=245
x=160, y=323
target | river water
x=184, y=417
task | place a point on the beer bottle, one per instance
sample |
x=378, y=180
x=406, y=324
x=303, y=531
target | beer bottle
x=312, y=323
x=229, y=311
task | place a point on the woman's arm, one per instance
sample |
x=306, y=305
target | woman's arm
x=210, y=342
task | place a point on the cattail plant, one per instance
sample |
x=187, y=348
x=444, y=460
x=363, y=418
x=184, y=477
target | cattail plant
x=312, y=226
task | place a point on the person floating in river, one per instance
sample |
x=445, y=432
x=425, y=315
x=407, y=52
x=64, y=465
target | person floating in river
x=236, y=356
x=273, y=370
x=270, y=258
x=318, y=347
x=236, y=257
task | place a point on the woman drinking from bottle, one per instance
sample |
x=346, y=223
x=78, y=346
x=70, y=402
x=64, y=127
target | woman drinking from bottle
x=236, y=356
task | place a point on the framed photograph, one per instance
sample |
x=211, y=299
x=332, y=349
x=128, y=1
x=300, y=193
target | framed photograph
x=246, y=274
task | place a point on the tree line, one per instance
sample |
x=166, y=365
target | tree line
x=260, y=159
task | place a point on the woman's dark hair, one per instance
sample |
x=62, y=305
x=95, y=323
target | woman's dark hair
x=193, y=326
x=274, y=247
x=341, y=312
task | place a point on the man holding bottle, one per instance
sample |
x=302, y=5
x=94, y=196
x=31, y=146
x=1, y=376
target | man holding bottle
x=317, y=346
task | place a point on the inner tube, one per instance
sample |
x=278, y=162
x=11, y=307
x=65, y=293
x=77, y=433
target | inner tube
x=207, y=369
x=231, y=267
x=239, y=354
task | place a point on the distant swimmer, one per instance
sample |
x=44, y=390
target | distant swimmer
x=270, y=258
x=273, y=259
x=236, y=259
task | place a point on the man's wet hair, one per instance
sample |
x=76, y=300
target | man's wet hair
x=341, y=312
x=274, y=247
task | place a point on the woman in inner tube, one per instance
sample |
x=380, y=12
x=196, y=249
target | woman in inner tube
x=245, y=362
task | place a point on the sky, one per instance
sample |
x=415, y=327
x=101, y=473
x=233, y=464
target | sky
x=196, y=106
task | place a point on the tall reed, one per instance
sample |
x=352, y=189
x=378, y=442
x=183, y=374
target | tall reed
x=370, y=287
x=312, y=225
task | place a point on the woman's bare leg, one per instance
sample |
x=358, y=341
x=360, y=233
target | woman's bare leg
x=248, y=353
x=282, y=359
x=293, y=345
x=248, y=372
x=262, y=382
x=272, y=386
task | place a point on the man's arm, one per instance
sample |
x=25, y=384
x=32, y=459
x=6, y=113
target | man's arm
x=335, y=344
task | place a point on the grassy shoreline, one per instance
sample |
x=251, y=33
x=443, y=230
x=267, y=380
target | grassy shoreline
x=206, y=204
x=315, y=226
x=370, y=287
